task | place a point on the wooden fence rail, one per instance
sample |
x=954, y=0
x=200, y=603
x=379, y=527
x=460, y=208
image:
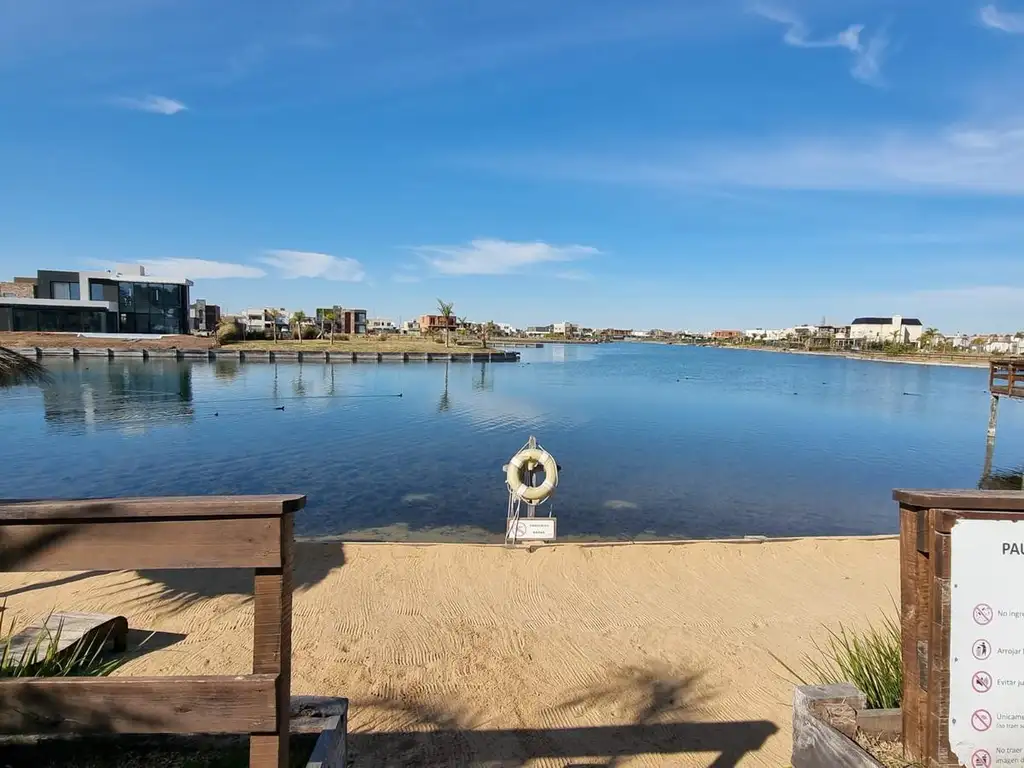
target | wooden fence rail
x=172, y=533
x=926, y=521
x=1006, y=377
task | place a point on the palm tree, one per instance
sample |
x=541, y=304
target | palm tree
x=17, y=369
x=929, y=336
x=298, y=319
x=447, y=310
x=328, y=317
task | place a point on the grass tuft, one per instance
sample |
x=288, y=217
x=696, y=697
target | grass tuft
x=41, y=659
x=871, y=659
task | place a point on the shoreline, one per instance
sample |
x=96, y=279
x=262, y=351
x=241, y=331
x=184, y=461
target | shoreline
x=901, y=359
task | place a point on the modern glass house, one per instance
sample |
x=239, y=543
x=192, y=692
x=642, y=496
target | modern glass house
x=125, y=300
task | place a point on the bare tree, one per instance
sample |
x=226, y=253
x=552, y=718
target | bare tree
x=298, y=318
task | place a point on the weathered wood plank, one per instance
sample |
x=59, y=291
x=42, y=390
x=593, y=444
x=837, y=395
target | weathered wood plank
x=1008, y=501
x=244, y=704
x=66, y=634
x=914, y=698
x=133, y=545
x=938, y=663
x=157, y=507
x=272, y=646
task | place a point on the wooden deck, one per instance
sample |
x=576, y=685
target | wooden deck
x=1006, y=377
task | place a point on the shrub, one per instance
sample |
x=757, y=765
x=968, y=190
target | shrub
x=871, y=659
x=228, y=332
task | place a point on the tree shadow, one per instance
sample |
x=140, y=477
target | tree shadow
x=655, y=702
x=176, y=588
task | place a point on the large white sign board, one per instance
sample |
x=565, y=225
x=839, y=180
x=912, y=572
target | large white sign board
x=986, y=643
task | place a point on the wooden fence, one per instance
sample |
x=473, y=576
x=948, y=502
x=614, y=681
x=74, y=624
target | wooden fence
x=173, y=533
x=926, y=520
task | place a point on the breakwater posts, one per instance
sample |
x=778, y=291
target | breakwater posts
x=273, y=356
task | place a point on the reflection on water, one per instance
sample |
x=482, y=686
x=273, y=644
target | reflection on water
x=121, y=394
x=654, y=441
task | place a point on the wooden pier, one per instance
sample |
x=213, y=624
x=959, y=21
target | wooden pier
x=1005, y=379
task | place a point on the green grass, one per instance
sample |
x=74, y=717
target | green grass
x=42, y=660
x=871, y=659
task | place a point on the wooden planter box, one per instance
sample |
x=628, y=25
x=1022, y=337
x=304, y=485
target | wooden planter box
x=826, y=718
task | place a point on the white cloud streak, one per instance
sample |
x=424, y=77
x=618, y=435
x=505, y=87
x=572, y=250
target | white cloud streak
x=985, y=160
x=867, y=57
x=295, y=264
x=191, y=269
x=497, y=257
x=200, y=269
x=1004, y=21
x=157, y=105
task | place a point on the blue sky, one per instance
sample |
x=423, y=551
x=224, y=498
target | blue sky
x=641, y=163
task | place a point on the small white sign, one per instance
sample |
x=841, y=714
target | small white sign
x=986, y=643
x=531, y=529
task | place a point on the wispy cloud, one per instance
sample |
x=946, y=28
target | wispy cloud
x=405, y=277
x=157, y=105
x=953, y=160
x=868, y=56
x=497, y=257
x=192, y=269
x=294, y=264
x=1012, y=22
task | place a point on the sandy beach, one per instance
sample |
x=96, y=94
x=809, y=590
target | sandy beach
x=475, y=655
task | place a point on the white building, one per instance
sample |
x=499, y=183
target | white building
x=410, y=328
x=765, y=334
x=260, y=320
x=896, y=329
x=508, y=329
x=382, y=325
x=564, y=329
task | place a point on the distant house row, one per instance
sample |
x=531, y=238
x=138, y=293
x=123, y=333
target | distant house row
x=896, y=329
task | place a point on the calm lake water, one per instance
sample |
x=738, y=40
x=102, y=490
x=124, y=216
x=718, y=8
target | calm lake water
x=654, y=441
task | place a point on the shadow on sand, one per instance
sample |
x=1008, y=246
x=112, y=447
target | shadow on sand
x=656, y=704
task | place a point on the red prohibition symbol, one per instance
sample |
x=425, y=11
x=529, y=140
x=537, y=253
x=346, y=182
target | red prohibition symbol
x=981, y=720
x=980, y=758
x=981, y=682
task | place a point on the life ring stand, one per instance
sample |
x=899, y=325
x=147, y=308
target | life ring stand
x=530, y=459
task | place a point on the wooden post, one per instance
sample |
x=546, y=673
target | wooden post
x=272, y=647
x=914, y=621
x=993, y=417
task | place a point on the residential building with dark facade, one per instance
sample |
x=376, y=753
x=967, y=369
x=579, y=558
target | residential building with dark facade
x=125, y=300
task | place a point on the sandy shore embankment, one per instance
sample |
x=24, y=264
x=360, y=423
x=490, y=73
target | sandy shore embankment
x=652, y=654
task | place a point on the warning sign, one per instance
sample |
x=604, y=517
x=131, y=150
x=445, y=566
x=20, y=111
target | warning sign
x=986, y=643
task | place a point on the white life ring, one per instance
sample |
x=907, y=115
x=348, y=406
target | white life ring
x=529, y=457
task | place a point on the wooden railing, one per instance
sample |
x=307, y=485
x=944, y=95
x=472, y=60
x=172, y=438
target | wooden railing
x=1006, y=377
x=173, y=533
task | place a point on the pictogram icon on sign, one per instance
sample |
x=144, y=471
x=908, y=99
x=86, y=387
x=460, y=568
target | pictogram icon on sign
x=981, y=682
x=981, y=759
x=983, y=614
x=981, y=649
x=981, y=720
